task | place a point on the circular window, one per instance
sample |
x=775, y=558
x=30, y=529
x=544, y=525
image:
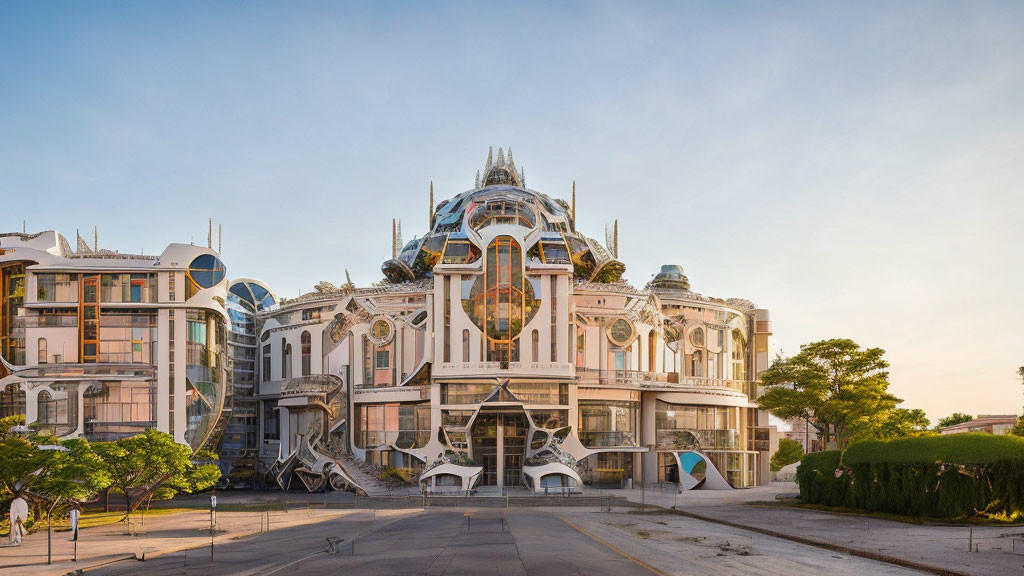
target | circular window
x=620, y=332
x=206, y=271
x=380, y=331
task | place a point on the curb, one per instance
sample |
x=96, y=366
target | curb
x=896, y=561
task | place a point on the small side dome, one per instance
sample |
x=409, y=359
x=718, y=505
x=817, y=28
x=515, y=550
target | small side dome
x=672, y=277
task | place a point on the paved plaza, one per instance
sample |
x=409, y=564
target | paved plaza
x=555, y=539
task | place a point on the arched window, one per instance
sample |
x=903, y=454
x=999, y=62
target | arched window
x=697, y=364
x=286, y=358
x=42, y=351
x=581, y=348
x=535, y=345
x=46, y=409
x=465, y=345
x=639, y=354
x=739, y=356
x=307, y=351
x=652, y=347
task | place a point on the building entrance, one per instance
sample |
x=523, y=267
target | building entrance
x=499, y=443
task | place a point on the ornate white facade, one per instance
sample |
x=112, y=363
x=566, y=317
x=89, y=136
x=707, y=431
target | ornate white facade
x=505, y=349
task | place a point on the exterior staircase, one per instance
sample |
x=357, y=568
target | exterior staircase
x=364, y=476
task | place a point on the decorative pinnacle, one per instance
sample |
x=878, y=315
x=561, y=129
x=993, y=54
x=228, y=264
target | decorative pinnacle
x=430, y=214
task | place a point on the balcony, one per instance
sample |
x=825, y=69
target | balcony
x=404, y=439
x=607, y=439
x=689, y=439
x=591, y=377
x=62, y=321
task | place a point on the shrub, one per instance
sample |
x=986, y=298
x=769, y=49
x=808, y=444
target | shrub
x=789, y=451
x=940, y=476
x=394, y=475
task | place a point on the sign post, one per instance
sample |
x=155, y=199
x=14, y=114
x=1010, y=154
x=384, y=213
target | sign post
x=73, y=517
x=213, y=520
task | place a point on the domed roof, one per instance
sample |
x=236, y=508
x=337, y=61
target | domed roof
x=671, y=277
x=501, y=198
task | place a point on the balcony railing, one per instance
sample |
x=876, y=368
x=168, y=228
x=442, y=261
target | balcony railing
x=685, y=439
x=62, y=321
x=607, y=439
x=589, y=376
x=404, y=439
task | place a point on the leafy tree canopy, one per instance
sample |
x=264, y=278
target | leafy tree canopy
x=152, y=465
x=838, y=386
x=48, y=472
x=954, y=418
x=789, y=451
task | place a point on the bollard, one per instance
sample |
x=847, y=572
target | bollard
x=970, y=539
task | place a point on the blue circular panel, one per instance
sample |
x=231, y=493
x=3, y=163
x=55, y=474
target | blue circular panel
x=206, y=271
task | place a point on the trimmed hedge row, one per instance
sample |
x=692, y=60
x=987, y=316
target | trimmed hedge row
x=939, y=477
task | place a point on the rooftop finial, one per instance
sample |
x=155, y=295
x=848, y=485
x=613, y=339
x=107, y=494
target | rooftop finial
x=95, y=238
x=501, y=158
x=394, y=238
x=616, y=234
x=476, y=183
x=430, y=213
x=573, y=202
x=209, y=234
x=220, y=238
x=490, y=162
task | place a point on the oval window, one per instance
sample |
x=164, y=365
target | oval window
x=380, y=331
x=620, y=332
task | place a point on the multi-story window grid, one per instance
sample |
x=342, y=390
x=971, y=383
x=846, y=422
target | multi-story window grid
x=447, y=344
x=170, y=371
x=554, y=318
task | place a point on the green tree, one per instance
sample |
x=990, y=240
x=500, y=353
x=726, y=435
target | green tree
x=789, y=451
x=897, y=423
x=834, y=384
x=152, y=465
x=954, y=418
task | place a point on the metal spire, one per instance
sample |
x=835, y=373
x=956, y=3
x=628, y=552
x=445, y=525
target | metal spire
x=573, y=202
x=209, y=234
x=430, y=214
x=220, y=238
x=95, y=238
x=394, y=238
x=501, y=158
x=616, y=236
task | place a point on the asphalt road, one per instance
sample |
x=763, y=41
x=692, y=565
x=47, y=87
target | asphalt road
x=435, y=542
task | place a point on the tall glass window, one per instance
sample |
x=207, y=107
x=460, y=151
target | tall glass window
x=307, y=347
x=739, y=356
x=41, y=354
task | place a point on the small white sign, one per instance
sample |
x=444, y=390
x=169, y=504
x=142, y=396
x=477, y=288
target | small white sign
x=73, y=517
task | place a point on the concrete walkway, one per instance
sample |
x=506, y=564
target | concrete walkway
x=162, y=534
x=942, y=547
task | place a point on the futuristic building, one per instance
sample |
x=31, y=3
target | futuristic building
x=104, y=345
x=505, y=349
x=238, y=448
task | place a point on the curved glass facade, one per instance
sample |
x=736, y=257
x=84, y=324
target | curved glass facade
x=206, y=390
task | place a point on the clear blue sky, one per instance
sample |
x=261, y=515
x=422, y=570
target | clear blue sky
x=854, y=167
